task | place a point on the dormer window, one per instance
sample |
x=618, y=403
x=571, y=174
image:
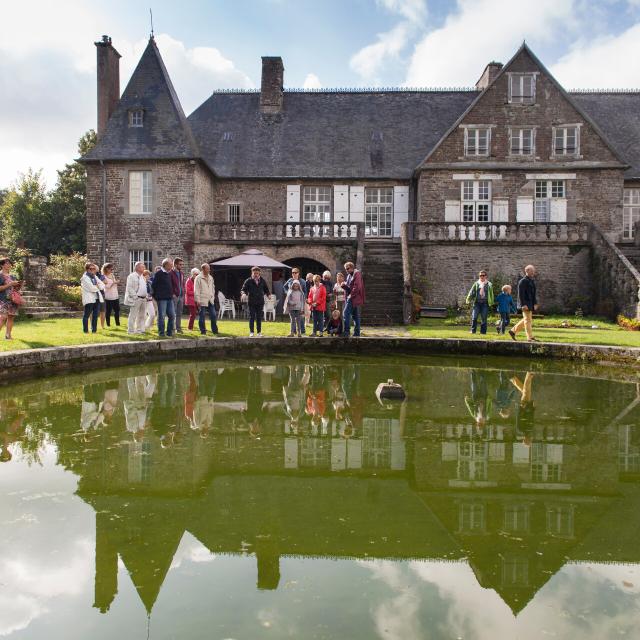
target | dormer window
x=566, y=140
x=522, y=88
x=136, y=118
x=477, y=141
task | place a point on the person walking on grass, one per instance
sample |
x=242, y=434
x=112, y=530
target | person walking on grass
x=481, y=297
x=135, y=297
x=527, y=303
x=294, y=306
x=354, y=287
x=204, y=296
x=189, y=300
x=317, y=300
x=111, y=299
x=92, y=296
x=163, y=293
x=506, y=306
x=255, y=289
x=179, y=282
x=8, y=308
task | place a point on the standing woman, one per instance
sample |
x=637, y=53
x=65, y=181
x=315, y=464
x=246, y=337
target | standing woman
x=318, y=302
x=339, y=293
x=8, y=284
x=189, y=299
x=92, y=295
x=151, y=310
x=111, y=299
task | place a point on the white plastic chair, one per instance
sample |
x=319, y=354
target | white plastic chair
x=226, y=305
x=270, y=303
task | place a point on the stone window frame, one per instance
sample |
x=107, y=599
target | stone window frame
x=630, y=211
x=576, y=154
x=520, y=100
x=136, y=118
x=240, y=212
x=315, y=203
x=128, y=191
x=476, y=128
x=533, y=129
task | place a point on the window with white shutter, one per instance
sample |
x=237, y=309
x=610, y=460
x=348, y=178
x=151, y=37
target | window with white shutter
x=476, y=200
x=317, y=204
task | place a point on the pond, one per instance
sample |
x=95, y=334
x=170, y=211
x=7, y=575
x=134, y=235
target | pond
x=501, y=499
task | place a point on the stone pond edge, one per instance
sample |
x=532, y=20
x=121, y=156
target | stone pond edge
x=18, y=365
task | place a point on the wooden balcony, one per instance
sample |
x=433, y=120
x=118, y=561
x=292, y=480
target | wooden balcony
x=278, y=232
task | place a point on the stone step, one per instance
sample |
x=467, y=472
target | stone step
x=43, y=315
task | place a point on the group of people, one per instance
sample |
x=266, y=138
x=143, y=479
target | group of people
x=331, y=307
x=482, y=298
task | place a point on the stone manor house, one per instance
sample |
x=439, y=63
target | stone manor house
x=420, y=187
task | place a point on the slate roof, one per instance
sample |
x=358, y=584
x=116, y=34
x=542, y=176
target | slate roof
x=166, y=133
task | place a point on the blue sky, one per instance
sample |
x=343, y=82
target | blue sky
x=47, y=57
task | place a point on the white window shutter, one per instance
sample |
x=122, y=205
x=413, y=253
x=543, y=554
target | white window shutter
x=293, y=203
x=340, y=203
x=500, y=211
x=524, y=211
x=452, y=211
x=558, y=210
x=356, y=204
x=400, y=208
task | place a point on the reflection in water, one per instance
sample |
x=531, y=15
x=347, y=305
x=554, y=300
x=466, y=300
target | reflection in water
x=515, y=473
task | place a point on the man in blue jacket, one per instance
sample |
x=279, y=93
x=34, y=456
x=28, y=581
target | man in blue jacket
x=527, y=303
x=163, y=290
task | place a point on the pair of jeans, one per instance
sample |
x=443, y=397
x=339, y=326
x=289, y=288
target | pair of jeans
x=505, y=320
x=318, y=321
x=165, y=307
x=212, y=316
x=255, y=315
x=481, y=309
x=297, y=321
x=179, y=305
x=93, y=310
x=113, y=306
x=351, y=312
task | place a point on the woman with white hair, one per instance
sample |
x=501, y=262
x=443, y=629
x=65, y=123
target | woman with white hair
x=189, y=299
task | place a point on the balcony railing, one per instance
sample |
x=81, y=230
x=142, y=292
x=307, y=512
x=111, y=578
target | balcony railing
x=276, y=231
x=561, y=232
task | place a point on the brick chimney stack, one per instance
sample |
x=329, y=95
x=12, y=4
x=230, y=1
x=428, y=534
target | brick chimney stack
x=489, y=75
x=108, y=81
x=271, y=88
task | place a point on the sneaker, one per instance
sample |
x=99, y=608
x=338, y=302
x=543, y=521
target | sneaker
x=533, y=340
x=260, y=335
x=178, y=330
x=512, y=334
x=321, y=335
x=290, y=335
x=251, y=335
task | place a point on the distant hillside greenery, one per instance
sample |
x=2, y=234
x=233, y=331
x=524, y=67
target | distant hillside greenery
x=47, y=222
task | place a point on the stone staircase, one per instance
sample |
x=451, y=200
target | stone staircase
x=383, y=283
x=37, y=306
x=632, y=253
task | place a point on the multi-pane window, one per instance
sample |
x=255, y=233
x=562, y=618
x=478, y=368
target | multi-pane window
x=471, y=518
x=378, y=219
x=522, y=88
x=140, y=255
x=317, y=204
x=630, y=212
x=560, y=520
x=476, y=200
x=233, y=212
x=140, y=192
x=545, y=191
x=477, y=141
x=516, y=518
x=522, y=142
x=566, y=141
x=136, y=118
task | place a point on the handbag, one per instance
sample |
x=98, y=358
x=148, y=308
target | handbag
x=17, y=298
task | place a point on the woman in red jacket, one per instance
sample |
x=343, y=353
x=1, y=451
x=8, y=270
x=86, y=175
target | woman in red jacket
x=318, y=303
x=189, y=300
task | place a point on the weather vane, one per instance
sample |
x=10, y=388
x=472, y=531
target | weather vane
x=151, y=16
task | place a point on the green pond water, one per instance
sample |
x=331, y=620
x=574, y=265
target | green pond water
x=222, y=500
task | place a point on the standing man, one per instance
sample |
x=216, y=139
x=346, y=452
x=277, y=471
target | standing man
x=295, y=277
x=163, y=292
x=527, y=303
x=135, y=297
x=178, y=291
x=354, y=287
x=255, y=288
x=204, y=296
x=481, y=297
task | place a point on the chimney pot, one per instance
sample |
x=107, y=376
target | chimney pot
x=272, y=85
x=108, y=81
x=488, y=75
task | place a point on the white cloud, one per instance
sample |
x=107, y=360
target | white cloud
x=412, y=10
x=312, y=82
x=479, y=31
x=612, y=61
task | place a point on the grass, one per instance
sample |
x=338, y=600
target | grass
x=32, y=334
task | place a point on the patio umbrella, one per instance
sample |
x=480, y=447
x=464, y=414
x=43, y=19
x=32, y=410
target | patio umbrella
x=251, y=258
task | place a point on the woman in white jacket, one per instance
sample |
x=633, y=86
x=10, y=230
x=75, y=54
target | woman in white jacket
x=204, y=297
x=92, y=295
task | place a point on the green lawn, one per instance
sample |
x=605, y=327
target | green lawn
x=30, y=334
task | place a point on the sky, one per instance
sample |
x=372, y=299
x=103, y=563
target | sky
x=48, y=59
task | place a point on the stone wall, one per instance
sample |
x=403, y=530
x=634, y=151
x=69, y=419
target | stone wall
x=443, y=273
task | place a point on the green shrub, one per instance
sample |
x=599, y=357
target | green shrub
x=71, y=295
x=69, y=268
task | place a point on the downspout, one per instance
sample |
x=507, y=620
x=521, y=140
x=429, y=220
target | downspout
x=104, y=212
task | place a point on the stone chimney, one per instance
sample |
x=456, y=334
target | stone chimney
x=488, y=75
x=271, y=88
x=108, y=81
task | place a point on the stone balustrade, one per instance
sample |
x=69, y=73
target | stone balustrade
x=561, y=232
x=255, y=232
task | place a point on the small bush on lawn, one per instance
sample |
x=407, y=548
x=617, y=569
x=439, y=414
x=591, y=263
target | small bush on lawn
x=69, y=294
x=69, y=268
x=629, y=324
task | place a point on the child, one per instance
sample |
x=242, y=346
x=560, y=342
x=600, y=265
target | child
x=294, y=306
x=334, y=326
x=505, y=306
x=318, y=303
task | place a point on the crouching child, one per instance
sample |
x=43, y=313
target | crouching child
x=335, y=326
